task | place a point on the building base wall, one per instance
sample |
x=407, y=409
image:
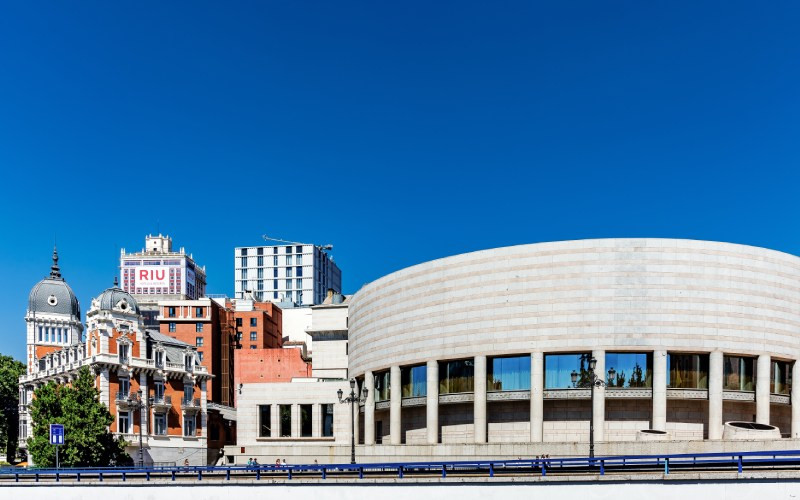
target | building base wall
x=306, y=454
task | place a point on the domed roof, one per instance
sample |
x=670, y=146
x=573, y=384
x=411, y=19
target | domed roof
x=52, y=295
x=117, y=299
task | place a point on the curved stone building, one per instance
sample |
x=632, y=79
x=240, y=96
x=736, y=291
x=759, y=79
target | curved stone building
x=484, y=347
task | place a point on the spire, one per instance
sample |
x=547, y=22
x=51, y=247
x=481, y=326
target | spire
x=116, y=283
x=55, y=272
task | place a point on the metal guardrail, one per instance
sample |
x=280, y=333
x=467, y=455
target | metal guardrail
x=538, y=466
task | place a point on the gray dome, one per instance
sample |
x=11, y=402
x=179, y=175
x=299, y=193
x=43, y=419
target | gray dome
x=52, y=295
x=116, y=298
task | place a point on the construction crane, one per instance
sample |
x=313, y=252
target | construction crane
x=322, y=247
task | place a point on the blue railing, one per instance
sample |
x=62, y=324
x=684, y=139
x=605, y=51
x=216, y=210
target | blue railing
x=727, y=461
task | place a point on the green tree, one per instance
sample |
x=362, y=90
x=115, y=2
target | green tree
x=10, y=371
x=85, y=420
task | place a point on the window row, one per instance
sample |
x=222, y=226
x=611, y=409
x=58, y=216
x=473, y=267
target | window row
x=284, y=422
x=125, y=423
x=569, y=371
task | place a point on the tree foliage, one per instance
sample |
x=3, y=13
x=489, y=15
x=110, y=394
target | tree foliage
x=10, y=371
x=88, y=440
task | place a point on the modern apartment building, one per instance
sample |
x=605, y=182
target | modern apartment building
x=298, y=273
x=158, y=273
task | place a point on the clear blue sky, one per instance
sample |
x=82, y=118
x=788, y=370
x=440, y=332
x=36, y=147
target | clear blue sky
x=398, y=132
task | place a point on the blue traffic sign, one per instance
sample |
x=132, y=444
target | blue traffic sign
x=56, y=434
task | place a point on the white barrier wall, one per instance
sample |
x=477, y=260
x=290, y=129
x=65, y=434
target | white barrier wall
x=733, y=490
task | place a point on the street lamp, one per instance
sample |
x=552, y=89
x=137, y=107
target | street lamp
x=136, y=403
x=594, y=381
x=352, y=399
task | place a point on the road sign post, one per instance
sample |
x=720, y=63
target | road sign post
x=57, y=437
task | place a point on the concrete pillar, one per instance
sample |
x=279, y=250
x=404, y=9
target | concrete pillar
x=479, y=399
x=432, y=417
x=537, y=397
x=395, y=403
x=295, y=420
x=599, y=410
x=763, y=372
x=316, y=420
x=369, y=409
x=660, y=390
x=795, y=400
x=715, y=375
x=275, y=417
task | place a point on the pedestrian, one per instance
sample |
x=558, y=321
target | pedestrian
x=186, y=462
x=284, y=462
x=255, y=462
x=249, y=462
x=277, y=462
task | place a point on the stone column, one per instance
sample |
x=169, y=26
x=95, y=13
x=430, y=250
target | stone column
x=715, y=375
x=660, y=390
x=105, y=390
x=395, y=403
x=763, y=372
x=275, y=416
x=599, y=409
x=203, y=409
x=795, y=400
x=295, y=420
x=356, y=408
x=479, y=399
x=432, y=417
x=369, y=409
x=144, y=419
x=316, y=420
x=537, y=397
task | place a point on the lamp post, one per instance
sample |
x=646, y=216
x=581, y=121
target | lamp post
x=353, y=398
x=136, y=403
x=594, y=381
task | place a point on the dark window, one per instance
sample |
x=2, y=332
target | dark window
x=198, y=341
x=253, y=336
x=286, y=420
x=288, y=249
x=738, y=373
x=456, y=376
x=172, y=327
x=299, y=249
x=260, y=251
x=629, y=369
x=327, y=420
x=198, y=312
x=780, y=380
x=238, y=321
x=687, y=371
x=171, y=312
x=198, y=327
x=298, y=271
x=244, y=251
x=253, y=321
x=264, y=421
x=305, y=420
x=414, y=381
x=511, y=373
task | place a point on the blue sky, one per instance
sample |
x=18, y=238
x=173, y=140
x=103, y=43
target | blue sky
x=398, y=132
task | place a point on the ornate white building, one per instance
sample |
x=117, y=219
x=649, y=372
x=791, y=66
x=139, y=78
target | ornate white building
x=152, y=384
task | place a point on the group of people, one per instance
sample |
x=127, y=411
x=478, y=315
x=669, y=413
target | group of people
x=253, y=462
